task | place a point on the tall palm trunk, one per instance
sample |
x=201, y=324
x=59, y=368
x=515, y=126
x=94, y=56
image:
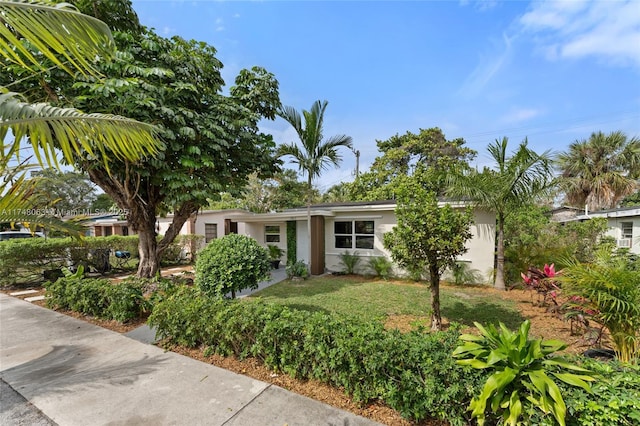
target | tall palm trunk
x=309, y=250
x=499, y=282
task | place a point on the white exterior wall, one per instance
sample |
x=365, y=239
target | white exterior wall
x=480, y=247
x=383, y=222
x=615, y=231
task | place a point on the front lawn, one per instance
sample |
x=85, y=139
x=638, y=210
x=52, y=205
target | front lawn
x=371, y=299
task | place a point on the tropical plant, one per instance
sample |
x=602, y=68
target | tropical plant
x=613, y=289
x=600, y=171
x=231, y=264
x=462, y=273
x=349, y=262
x=316, y=153
x=427, y=238
x=521, y=369
x=275, y=252
x=381, y=266
x=517, y=180
x=543, y=281
x=34, y=36
x=297, y=269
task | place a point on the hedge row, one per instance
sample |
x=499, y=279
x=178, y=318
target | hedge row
x=25, y=260
x=98, y=297
x=413, y=373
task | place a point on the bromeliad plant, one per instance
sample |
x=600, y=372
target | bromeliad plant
x=520, y=381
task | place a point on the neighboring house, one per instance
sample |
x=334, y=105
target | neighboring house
x=107, y=225
x=623, y=223
x=336, y=228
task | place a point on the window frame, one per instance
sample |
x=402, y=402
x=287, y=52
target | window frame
x=349, y=238
x=270, y=236
x=625, y=235
x=206, y=234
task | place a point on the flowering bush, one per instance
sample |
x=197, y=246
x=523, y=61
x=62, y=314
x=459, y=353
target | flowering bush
x=543, y=281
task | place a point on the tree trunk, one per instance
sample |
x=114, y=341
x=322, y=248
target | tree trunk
x=436, y=318
x=309, y=223
x=147, y=249
x=499, y=283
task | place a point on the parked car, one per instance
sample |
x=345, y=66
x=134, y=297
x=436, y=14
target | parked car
x=9, y=235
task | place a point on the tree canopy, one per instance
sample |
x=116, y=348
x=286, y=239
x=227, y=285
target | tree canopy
x=600, y=171
x=428, y=238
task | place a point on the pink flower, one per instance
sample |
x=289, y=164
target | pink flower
x=550, y=271
x=526, y=279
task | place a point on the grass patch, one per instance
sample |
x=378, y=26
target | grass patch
x=376, y=300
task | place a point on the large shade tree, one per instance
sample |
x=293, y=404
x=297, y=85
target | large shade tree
x=600, y=171
x=515, y=180
x=210, y=141
x=316, y=153
x=36, y=38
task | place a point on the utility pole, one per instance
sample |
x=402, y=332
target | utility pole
x=357, y=153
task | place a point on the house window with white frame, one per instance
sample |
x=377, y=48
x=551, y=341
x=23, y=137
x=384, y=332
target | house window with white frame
x=210, y=232
x=272, y=233
x=354, y=234
x=627, y=230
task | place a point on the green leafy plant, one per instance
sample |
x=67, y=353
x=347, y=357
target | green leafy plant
x=612, y=287
x=231, y=264
x=381, y=266
x=297, y=269
x=461, y=273
x=275, y=252
x=349, y=262
x=520, y=380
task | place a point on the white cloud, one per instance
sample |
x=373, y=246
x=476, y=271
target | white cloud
x=606, y=30
x=489, y=66
x=518, y=115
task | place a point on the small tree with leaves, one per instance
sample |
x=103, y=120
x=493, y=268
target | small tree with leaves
x=427, y=238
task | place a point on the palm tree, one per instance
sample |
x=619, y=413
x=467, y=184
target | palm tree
x=601, y=171
x=516, y=181
x=71, y=41
x=316, y=154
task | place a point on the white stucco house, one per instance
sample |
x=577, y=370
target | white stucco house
x=623, y=224
x=355, y=227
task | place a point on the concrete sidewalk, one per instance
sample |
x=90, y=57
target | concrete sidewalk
x=77, y=373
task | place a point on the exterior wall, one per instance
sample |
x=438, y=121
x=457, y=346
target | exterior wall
x=480, y=248
x=615, y=231
x=383, y=222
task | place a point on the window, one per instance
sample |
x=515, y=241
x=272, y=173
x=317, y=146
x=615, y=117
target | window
x=210, y=232
x=627, y=230
x=354, y=234
x=272, y=233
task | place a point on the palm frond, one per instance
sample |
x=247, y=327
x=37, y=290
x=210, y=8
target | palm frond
x=55, y=30
x=73, y=131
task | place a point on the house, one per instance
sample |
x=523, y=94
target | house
x=354, y=227
x=336, y=228
x=623, y=224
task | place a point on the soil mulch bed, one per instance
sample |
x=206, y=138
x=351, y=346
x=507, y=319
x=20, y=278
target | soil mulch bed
x=545, y=323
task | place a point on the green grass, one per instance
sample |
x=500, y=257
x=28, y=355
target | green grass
x=375, y=300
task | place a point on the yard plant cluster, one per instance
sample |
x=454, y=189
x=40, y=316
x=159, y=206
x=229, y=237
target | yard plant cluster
x=414, y=373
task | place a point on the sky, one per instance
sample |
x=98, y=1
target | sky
x=550, y=71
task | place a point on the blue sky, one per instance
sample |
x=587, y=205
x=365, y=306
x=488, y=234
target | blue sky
x=550, y=71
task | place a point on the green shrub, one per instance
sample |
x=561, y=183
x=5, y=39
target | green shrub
x=349, y=262
x=297, y=269
x=462, y=274
x=231, y=264
x=413, y=373
x=381, y=267
x=97, y=297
